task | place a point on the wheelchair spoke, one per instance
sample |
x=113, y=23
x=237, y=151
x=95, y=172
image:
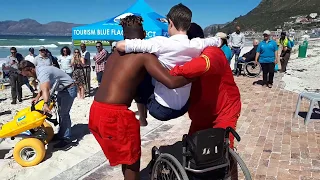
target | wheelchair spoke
x=166, y=170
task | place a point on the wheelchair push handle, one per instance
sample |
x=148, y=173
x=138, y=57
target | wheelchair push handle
x=233, y=132
x=46, y=114
x=33, y=108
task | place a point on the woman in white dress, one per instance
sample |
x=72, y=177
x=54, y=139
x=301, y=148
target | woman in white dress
x=65, y=60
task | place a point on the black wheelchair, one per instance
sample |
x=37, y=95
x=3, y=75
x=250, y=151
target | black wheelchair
x=205, y=156
x=250, y=69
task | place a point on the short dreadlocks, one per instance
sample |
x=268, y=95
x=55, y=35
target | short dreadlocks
x=132, y=27
x=131, y=21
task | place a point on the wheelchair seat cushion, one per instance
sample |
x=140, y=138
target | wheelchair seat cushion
x=208, y=148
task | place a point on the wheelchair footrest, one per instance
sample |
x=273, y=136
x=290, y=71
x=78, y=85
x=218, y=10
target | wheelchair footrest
x=207, y=169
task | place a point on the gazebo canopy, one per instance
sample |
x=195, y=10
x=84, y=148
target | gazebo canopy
x=153, y=23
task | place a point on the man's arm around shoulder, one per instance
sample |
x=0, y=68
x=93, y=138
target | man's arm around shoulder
x=203, y=43
x=199, y=65
x=157, y=71
x=140, y=45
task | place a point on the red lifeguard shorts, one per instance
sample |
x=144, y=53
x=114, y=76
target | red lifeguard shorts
x=117, y=131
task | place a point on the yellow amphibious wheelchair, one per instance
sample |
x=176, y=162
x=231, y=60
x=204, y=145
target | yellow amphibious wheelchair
x=31, y=125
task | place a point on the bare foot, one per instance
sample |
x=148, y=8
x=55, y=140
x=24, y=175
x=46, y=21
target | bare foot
x=143, y=122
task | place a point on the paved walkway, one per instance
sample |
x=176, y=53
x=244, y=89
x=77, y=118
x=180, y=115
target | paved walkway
x=273, y=145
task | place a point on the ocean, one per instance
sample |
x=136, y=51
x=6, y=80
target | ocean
x=53, y=43
x=23, y=43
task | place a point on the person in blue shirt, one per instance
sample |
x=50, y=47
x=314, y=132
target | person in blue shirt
x=224, y=47
x=267, y=54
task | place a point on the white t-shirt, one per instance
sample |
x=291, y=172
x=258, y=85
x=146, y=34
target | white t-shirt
x=86, y=56
x=30, y=58
x=65, y=63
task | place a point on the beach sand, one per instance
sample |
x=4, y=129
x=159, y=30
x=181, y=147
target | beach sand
x=303, y=74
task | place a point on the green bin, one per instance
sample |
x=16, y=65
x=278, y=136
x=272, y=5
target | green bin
x=303, y=49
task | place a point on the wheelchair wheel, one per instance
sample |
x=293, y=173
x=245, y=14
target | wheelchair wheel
x=169, y=168
x=252, y=69
x=29, y=152
x=49, y=132
x=245, y=171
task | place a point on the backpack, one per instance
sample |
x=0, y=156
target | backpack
x=207, y=148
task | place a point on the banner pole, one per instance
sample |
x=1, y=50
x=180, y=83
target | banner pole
x=72, y=45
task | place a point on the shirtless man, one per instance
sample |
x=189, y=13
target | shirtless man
x=111, y=122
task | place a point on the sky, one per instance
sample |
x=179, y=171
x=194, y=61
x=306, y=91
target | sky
x=205, y=12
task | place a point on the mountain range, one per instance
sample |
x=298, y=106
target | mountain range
x=271, y=14
x=32, y=27
x=213, y=29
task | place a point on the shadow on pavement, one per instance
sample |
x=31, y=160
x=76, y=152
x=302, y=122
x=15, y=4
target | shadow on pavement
x=78, y=132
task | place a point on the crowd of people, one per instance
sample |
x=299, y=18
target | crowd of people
x=41, y=71
x=266, y=52
x=165, y=76
x=77, y=66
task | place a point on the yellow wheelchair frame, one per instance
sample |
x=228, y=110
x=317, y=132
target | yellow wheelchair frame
x=31, y=125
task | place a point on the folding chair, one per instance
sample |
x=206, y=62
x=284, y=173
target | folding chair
x=313, y=98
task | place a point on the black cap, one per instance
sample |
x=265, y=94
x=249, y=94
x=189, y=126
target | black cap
x=283, y=33
x=31, y=49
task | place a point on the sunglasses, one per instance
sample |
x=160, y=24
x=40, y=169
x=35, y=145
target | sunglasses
x=76, y=52
x=12, y=52
x=98, y=46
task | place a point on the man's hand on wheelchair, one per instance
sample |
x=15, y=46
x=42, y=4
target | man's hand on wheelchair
x=35, y=100
x=46, y=109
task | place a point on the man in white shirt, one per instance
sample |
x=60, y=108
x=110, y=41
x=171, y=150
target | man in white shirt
x=30, y=57
x=86, y=56
x=237, y=40
x=165, y=104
